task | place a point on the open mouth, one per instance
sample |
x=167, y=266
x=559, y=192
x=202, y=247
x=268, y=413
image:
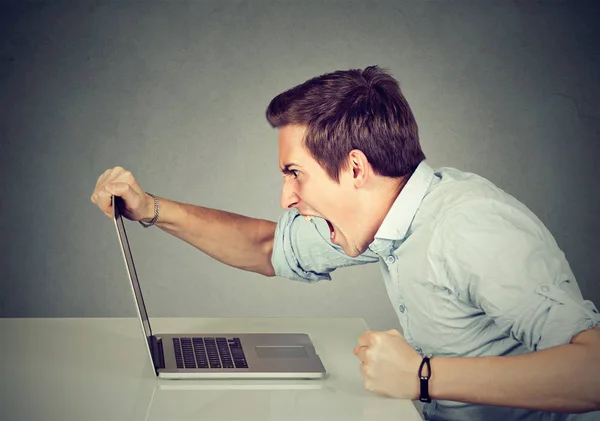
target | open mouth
x=331, y=230
x=329, y=224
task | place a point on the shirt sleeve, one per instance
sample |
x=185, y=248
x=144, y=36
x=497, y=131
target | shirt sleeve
x=504, y=261
x=302, y=250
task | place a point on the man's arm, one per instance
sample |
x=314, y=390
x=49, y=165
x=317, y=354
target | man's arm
x=235, y=240
x=505, y=262
x=564, y=378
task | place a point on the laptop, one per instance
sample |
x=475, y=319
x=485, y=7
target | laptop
x=209, y=355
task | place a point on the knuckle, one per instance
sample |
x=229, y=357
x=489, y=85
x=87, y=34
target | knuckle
x=127, y=176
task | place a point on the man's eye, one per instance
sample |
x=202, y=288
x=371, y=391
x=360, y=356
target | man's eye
x=294, y=173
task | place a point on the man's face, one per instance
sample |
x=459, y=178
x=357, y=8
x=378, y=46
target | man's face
x=307, y=187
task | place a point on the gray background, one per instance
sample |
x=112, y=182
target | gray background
x=176, y=92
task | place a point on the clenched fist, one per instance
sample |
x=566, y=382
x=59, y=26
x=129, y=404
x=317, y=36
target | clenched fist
x=138, y=206
x=389, y=364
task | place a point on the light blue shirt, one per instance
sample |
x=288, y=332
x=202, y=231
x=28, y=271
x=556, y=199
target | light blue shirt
x=470, y=271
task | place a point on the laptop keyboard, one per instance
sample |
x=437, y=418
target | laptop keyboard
x=206, y=352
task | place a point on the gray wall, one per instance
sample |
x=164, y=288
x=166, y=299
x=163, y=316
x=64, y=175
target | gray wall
x=176, y=91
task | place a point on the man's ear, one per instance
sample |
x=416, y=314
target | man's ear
x=359, y=166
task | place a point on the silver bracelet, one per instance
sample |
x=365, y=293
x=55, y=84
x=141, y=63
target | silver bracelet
x=153, y=221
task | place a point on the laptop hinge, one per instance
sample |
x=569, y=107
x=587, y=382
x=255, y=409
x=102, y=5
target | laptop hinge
x=158, y=356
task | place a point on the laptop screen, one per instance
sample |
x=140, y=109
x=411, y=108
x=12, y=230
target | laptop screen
x=137, y=292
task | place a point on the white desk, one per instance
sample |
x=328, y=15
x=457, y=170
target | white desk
x=98, y=369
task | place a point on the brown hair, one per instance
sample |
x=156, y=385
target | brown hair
x=352, y=109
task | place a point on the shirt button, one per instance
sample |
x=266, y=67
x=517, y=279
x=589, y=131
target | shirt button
x=390, y=259
x=402, y=308
x=545, y=288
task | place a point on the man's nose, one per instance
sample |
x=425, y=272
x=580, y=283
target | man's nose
x=289, y=198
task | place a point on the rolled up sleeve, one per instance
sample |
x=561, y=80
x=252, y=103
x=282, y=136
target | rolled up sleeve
x=302, y=250
x=504, y=261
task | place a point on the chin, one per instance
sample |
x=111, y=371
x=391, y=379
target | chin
x=353, y=252
x=358, y=251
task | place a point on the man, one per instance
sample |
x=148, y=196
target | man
x=477, y=281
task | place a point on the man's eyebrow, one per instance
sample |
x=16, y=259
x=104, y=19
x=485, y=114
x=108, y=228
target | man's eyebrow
x=286, y=168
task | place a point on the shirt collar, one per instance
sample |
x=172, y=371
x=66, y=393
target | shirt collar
x=398, y=219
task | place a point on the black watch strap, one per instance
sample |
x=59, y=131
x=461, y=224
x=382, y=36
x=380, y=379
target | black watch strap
x=424, y=380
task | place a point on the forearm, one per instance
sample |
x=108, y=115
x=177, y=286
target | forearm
x=236, y=240
x=560, y=379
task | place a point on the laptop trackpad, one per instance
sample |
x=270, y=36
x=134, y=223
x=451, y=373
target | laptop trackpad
x=281, y=352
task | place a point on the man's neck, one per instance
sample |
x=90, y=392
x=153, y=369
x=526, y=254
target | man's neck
x=380, y=200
